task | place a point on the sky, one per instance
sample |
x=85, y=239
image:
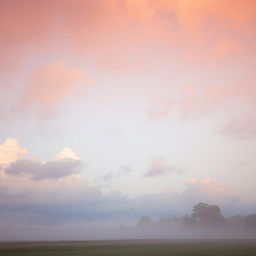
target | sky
x=114, y=109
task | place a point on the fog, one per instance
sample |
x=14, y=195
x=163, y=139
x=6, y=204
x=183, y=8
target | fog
x=111, y=231
x=205, y=222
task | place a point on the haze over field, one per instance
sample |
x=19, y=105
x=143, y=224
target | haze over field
x=115, y=109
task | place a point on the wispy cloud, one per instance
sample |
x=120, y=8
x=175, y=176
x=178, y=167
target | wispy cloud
x=50, y=85
x=242, y=128
x=107, y=178
x=159, y=166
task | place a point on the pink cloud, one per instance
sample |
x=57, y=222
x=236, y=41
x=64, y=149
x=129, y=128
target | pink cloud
x=194, y=100
x=227, y=45
x=121, y=26
x=49, y=86
x=159, y=166
x=119, y=35
x=26, y=25
x=207, y=186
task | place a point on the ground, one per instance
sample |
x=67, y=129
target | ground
x=132, y=247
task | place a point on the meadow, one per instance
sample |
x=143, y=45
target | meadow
x=131, y=247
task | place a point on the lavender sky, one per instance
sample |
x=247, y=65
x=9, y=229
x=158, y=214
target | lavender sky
x=113, y=109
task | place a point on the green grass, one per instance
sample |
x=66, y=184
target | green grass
x=129, y=247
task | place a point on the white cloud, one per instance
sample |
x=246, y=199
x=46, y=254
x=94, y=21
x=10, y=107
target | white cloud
x=66, y=154
x=10, y=151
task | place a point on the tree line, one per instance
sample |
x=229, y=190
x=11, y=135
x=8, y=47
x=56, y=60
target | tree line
x=204, y=216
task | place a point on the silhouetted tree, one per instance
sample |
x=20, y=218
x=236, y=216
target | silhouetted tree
x=145, y=222
x=189, y=222
x=204, y=217
x=208, y=216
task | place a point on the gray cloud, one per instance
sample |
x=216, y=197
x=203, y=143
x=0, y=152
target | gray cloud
x=84, y=203
x=43, y=170
x=240, y=128
x=78, y=204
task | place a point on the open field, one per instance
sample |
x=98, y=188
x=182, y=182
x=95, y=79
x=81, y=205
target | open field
x=130, y=247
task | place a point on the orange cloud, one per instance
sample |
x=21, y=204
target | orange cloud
x=110, y=30
x=120, y=35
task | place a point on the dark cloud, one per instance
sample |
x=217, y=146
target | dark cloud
x=84, y=203
x=38, y=170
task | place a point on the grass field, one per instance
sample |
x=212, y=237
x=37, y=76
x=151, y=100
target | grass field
x=129, y=247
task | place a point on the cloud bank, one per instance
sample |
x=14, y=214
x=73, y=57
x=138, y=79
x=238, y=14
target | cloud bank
x=54, y=192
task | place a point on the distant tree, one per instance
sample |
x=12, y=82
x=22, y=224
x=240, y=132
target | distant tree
x=208, y=216
x=250, y=221
x=164, y=223
x=170, y=222
x=236, y=222
x=145, y=222
x=189, y=222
